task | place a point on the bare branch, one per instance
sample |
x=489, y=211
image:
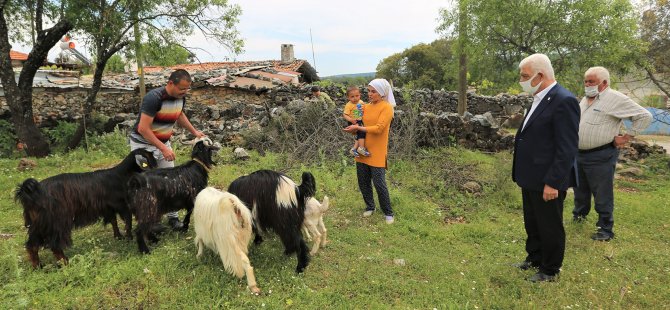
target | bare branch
x=39, y=11
x=656, y=81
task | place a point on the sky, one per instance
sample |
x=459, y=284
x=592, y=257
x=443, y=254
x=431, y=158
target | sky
x=349, y=36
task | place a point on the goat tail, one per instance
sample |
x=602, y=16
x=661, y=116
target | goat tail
x=325, y=204
x=31, y=195
x=307, y=187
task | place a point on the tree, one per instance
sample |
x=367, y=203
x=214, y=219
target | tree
x=108, y=26
x=115, y=64
x=159, y=53
x=462, y=57
x=655, y=31
x=19, y=95
x=574, y=34
x=421, y=66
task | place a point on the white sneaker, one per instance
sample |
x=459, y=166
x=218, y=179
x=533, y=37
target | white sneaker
x=367, y=213
x=389, y=219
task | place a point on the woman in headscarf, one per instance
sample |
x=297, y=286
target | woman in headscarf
x=377, y=118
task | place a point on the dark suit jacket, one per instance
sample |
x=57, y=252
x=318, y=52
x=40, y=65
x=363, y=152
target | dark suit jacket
x=545, y=150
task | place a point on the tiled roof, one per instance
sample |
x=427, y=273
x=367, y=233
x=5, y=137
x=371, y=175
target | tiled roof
x=246, y=75
x=14, y=55
x=207, y=66
x=283, y=78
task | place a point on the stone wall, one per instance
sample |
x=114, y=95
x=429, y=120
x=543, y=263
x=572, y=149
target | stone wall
x=224, y=112
x=438, y=101
x=65, y=104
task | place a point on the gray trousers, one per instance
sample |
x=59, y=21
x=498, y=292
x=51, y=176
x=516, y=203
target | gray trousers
x=160, y=160
x=596, y=178
x=366, y=176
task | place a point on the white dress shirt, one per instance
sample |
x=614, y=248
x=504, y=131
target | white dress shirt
x=536, y=102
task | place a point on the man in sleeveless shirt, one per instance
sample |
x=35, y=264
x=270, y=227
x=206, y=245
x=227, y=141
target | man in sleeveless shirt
x=161, y=109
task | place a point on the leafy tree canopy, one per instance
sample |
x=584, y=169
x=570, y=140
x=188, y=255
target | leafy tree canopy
x=421, y=66
x=161, y=54
x=115, y=64
x=655, y=31
x=575, y=35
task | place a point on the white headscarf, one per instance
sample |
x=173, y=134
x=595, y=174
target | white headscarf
x=384, y=89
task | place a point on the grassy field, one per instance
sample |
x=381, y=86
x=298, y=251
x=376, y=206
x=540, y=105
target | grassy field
x=457, y=247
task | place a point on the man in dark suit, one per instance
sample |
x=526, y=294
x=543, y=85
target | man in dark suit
x=545, y=148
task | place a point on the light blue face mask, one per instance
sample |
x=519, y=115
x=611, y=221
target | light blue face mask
x=591, y=91
x=526, y=86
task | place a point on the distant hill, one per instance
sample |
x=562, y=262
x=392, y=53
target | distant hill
x=350, y=75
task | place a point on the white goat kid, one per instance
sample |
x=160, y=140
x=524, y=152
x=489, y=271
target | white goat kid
x=223, y=224
x=313, y=224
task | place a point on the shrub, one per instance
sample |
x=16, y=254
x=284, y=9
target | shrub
x=8, y=139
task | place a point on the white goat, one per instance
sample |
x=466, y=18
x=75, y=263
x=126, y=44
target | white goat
x=313, y=224
x=223, y=224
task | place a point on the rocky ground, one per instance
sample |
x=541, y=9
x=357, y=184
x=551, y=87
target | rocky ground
x=663, y=141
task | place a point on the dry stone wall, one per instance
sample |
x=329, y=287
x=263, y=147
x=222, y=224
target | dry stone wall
x=224, y=112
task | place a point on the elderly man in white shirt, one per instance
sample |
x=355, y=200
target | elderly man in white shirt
x=603, y=111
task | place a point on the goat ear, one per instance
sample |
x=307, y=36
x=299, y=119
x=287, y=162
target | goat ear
x=142, y=162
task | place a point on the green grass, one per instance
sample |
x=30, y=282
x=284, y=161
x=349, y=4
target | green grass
x=460, y=265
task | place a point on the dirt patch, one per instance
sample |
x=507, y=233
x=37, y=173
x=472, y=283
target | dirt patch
x=6, y=236
x=627, y=189
x=454, y=220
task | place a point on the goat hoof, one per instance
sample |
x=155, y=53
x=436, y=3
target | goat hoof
x=255, y=290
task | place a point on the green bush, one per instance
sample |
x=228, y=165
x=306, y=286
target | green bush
x=8, y=139
x=115, y=142
x=60, y=135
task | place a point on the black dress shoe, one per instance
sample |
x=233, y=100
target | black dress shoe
x=525, y=265
x=175, y=223
x=542, y=277
x=602, y=236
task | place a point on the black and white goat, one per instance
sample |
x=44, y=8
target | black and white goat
x=277, y=204
x=223, y=224
x=163, y=190
x=58, y=204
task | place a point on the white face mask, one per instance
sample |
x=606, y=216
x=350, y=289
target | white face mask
x=528, y=88
x=591, y=91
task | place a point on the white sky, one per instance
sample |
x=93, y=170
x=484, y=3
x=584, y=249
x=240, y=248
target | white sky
x=349, y=36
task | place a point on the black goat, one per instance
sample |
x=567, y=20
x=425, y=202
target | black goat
x=277, y=204
x=159, y=191
x=56, y=205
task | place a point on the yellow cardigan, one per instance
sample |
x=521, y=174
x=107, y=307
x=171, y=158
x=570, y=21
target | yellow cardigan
x=377, y=121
